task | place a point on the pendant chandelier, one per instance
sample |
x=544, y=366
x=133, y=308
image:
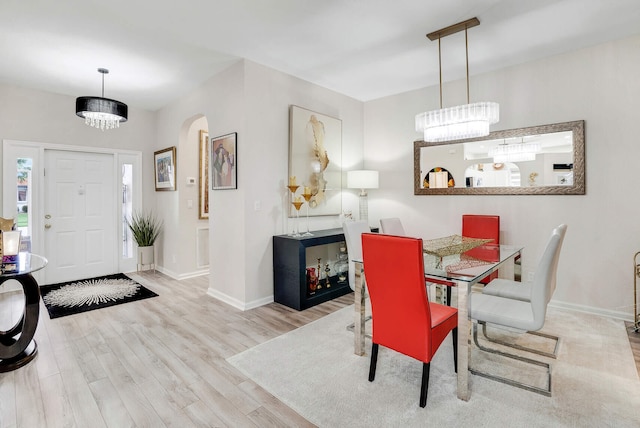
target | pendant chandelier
x=100, y=112
x=518, y=152
x=460, y=122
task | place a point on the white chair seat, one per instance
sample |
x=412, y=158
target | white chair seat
x=509, y=289
x=505, y=312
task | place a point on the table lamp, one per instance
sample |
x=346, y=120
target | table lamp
x=362, y=179
x=10, y=250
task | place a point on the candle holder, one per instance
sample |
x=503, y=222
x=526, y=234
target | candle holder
x=297, y=204
x=307, y=196
x=293, y=187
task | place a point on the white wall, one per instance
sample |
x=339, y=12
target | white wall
x=188, y=166
x=263, y=165
x=44, y=117
x=253, y=101
x=220, y=102
x=599, y=85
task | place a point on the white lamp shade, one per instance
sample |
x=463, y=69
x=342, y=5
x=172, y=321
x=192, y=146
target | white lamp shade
x=10, y=243
x=362, y=179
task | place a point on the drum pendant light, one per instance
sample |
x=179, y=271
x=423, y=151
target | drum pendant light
x=99, y=112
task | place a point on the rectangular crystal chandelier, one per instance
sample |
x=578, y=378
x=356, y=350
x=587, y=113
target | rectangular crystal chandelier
x=519, y=152
x=460, y=122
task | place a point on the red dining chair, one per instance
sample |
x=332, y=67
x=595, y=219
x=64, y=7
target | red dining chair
x=403, y=318
x=393, y=226
x=485, y=227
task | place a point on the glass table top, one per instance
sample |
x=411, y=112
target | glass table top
x=470, y=268
x=27, y=263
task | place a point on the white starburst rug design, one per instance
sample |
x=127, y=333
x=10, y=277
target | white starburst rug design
x=94, y=293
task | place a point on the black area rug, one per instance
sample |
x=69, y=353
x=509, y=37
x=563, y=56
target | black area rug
x=68, y=298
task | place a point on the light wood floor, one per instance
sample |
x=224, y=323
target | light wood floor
x=152, y=363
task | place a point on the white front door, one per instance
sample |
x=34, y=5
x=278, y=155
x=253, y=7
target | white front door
x=80, y=226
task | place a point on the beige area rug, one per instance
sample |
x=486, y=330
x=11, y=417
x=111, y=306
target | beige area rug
x=314, y=371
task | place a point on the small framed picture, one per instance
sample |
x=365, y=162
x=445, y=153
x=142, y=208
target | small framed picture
x=224, y=161
x=165, y=169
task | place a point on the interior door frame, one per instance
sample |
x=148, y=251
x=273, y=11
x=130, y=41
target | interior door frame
x=12, y=149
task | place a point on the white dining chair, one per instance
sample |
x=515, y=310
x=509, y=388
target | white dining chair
x=522, y=291
x=515, y=289
x=524, y=316
x=353, y=231
x=391, y=226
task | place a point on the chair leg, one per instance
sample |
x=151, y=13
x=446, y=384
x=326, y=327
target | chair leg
x=424, y=387
x=454, y=335
x=553, y=354
x=543, y=391
x=374, y=361
x=448, y=295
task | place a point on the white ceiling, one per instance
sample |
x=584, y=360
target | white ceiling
x=158, y=50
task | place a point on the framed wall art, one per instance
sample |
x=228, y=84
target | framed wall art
x=165, y=169
x=224, y=161
x=315, y=159
x=203, y=182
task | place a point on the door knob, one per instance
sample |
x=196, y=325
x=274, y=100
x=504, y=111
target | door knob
x=47, y=226
x=48, y=216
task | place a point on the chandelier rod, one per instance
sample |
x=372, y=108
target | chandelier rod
x=466, y=48
x=452, y=29
x=103, y=71
x=440, y=70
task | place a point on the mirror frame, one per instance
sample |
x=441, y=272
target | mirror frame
x=578, y=188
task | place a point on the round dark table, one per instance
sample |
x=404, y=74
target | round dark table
x=17, y=346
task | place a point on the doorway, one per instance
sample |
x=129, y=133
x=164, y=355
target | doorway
x=80, y=215
x=77, y=217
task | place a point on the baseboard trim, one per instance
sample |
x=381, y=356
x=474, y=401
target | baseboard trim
x=182, y=276
x=591, y=310
x=238, y=304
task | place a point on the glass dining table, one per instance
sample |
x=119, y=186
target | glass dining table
x=463, y=268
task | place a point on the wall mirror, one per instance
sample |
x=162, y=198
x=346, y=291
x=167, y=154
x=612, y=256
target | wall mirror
x=538, y=160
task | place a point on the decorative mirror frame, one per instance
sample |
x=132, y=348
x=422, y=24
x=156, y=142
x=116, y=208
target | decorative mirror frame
x=578, y=187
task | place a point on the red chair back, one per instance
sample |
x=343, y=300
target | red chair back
x=399, y=305
x=484, y=227
x=481, y=226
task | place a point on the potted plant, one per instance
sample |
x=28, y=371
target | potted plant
x=145, y=228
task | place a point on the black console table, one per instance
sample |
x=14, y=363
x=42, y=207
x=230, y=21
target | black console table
x=289, y=269
x=17, y=346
